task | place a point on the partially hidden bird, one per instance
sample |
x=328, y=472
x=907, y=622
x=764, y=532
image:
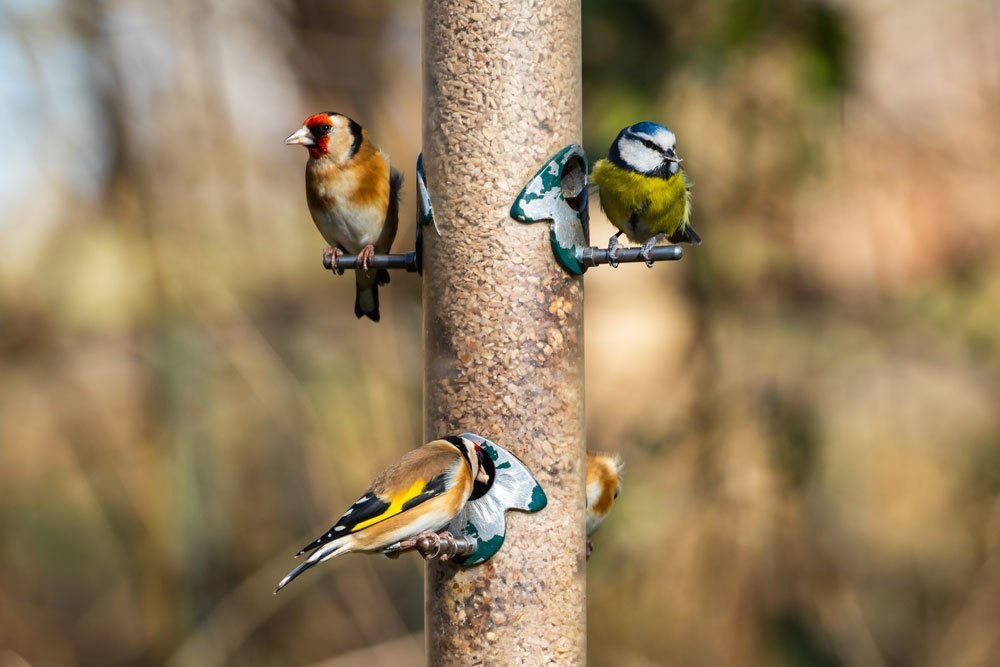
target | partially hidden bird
x=643, y=189
x=604, y=483
x=353, y=197
x=416, y=496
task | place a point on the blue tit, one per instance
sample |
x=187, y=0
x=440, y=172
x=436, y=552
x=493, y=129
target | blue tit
x=643, y=189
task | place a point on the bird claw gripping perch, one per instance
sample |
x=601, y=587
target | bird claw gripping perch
x=647, y=247
x=613, y=252
x=479, y=529
x=443, y=546
x=558, y=193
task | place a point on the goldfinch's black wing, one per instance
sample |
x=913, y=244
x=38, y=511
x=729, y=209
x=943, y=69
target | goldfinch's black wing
x=374, y=507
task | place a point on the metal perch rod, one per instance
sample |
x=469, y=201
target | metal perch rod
x=407, y=261
x=596, y=256
x=591, y=256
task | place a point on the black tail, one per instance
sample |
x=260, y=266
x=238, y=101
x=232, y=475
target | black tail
x=366, y=302
x=685, y=234
x=294, y=573
x=366, y=295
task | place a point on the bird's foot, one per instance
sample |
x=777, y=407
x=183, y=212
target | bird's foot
x=647, y=246
x=590, y=548
x=613, y=251
x=443, y=546
x=365, y=256
x=333, y=253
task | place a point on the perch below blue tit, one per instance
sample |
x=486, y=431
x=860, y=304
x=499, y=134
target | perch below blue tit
x=604, y=483
x=643, y=189
x=413, y=498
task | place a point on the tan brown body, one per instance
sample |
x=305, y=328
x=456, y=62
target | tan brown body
x=604, y=483
x=353, y=197
x=352, y=201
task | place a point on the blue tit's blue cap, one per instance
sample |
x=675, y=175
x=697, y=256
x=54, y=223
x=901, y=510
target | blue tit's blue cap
x=647, y=127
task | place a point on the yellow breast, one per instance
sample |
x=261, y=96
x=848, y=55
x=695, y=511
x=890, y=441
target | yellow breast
x=642, y=206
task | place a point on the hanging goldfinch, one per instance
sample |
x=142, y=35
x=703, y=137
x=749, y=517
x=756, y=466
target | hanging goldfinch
x=353, y=197
x=419, y=494
x=643, y=189
x=604, y=483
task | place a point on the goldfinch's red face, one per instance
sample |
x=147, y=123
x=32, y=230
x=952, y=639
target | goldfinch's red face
x=330, y=135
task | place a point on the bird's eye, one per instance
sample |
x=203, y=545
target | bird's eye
x=320, y=130
x=649, y=144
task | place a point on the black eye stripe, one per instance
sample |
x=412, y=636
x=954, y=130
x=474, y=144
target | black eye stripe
x=320, y=130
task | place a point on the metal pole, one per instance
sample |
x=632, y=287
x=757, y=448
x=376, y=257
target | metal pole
x=406, y=261
x=598, y=256
x=503, y=323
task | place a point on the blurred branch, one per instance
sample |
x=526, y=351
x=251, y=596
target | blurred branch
x=233, y=619
x=406, y=651
x=245, y=608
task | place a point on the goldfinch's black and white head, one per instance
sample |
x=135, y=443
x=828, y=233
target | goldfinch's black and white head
x=646, y=148
x=471, y=452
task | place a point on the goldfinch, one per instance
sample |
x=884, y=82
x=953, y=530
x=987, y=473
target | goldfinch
x=419, y=494
x=353, y=196
x=643, y=189
x=604, y=483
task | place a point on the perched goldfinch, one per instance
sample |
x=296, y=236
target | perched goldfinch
x=353, y=196
x=418, y=494
x=643, y=189
x=604, y=483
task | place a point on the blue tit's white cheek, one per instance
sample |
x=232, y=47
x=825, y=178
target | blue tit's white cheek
x=638, y=157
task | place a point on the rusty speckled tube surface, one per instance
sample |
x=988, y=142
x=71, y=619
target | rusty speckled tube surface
x=503, y=323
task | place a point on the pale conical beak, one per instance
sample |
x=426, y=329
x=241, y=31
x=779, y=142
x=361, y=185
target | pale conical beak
x=673, y=157
x=483, y=476
x=301, y=136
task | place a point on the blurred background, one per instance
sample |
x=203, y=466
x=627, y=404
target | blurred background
x=812, y=432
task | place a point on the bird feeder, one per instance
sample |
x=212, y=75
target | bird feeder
x=503, y=322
